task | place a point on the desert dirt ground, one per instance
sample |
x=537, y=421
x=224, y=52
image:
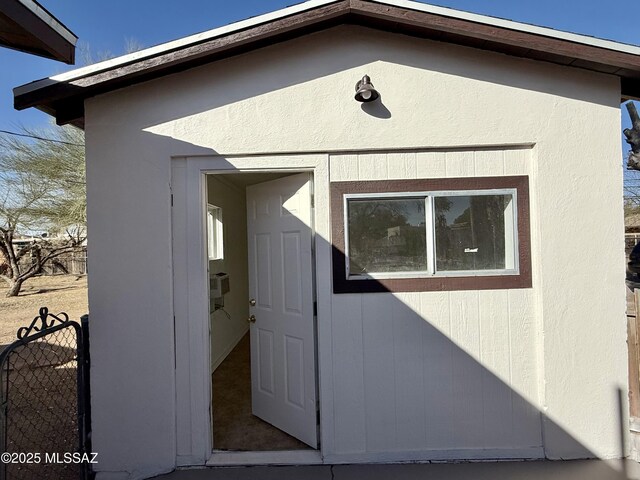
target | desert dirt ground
x=41, y=376
x=60, y=293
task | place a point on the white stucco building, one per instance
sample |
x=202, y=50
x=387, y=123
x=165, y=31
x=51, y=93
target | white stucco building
x=408, y=262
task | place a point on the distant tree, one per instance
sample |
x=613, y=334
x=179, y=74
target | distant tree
x=87, y=56
x=42, y=192
x=633, y=137
x=632, y=174
x=42, y=197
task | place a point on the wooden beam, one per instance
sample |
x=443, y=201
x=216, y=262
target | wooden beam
x=630, y=88
x=70, y=112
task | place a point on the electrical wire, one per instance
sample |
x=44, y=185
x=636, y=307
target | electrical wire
x=41, y=138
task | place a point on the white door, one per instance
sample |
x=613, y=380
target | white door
x=283, y=370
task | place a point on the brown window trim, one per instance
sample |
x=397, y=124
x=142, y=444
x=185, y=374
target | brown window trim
x=435, y=283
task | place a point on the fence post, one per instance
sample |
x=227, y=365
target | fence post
x=4, y=380
x=86, y=393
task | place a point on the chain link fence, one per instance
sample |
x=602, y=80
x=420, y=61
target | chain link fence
x=42, y=392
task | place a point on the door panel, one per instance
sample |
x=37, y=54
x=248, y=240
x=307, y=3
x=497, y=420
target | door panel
x=263, y=277
x=294, y=354
x=283, y=370
x=291, y=255
x=265, y=359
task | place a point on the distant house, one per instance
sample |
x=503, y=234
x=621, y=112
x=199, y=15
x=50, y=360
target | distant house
x=26, y=26
x=231, y=166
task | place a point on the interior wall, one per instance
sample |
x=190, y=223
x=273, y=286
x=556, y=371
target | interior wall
x=226, y=331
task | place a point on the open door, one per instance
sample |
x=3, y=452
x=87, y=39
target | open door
x=283, y=370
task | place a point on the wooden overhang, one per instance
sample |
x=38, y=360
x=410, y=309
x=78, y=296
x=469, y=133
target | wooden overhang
x=26, y=26
x=63, y=96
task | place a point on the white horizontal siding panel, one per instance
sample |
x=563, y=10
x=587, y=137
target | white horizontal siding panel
x=517, y=162
x=401, y=165
x=460, y=164
x=372, y=166
x=343, y=168
x=431, y=165
x=489, y=163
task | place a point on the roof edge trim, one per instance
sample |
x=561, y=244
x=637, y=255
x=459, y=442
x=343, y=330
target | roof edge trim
x=51, y=21
x=513, y=25
x=172, y=45
x=310, y=5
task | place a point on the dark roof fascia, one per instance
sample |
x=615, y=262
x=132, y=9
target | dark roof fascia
x=65, y=100
x=30, y=28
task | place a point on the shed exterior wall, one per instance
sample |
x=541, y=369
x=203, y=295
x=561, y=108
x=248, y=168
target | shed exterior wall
x=558, y=348
x=462, y=365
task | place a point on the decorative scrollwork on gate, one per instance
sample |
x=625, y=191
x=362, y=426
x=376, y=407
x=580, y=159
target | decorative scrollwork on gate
x=42, y=322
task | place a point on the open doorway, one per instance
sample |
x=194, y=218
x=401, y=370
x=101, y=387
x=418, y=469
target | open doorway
x=261, y=311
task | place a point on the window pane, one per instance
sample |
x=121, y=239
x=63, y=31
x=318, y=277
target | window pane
x=214, y=232
x=386, y=235
x=474, y=232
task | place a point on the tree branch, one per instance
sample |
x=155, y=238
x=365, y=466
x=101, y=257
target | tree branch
x=633, y=137
x=41, y=261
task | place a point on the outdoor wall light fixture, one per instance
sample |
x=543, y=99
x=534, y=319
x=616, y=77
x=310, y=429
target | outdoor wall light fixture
x=365, y=91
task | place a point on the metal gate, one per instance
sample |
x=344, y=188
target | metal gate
x=44, y=415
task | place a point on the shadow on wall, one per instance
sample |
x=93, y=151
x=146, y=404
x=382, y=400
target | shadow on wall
x=356, y=47
x=425, y=394
x=441, y=396
x=376, y=109
x=410, y=384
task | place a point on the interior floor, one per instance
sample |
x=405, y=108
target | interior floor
x=234, y=426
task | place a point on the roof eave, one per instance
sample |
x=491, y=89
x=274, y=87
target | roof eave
x=28, y=27
x=64, y=94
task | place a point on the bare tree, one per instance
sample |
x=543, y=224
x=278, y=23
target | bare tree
x=633, y=137
x=87, y=56
x=42, y=197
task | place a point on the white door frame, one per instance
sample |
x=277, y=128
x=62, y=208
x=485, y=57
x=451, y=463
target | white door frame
x=191, y=313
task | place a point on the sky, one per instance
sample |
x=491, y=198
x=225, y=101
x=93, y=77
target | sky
x=106, y=26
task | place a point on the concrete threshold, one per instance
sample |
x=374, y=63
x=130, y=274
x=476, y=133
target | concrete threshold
x=507, y=470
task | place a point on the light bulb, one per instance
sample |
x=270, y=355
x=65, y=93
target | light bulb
x=366, y=95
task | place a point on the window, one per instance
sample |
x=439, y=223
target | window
x=385, y=235
x=215, y=239
x=413, y=235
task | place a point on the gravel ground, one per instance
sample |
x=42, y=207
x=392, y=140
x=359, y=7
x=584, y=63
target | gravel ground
x=60, y=293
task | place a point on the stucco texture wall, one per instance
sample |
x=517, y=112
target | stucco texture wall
x=298, y=97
